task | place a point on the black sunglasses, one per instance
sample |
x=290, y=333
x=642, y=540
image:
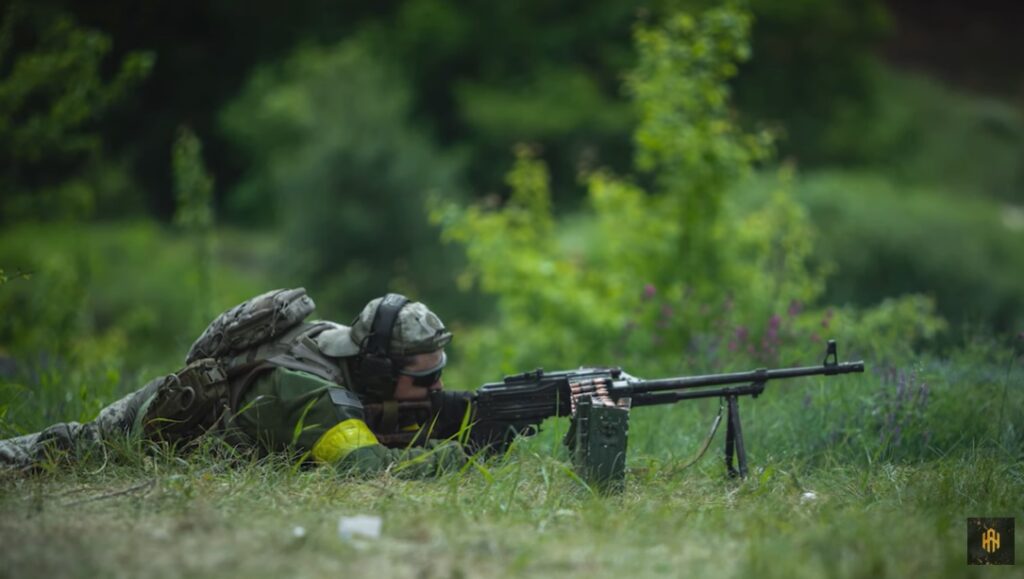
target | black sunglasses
x=427, y=378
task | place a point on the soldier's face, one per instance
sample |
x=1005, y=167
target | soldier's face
x=406, y=388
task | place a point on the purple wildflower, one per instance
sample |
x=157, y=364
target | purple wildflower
x=649, y=291
x=794, y=308
x=772, y=334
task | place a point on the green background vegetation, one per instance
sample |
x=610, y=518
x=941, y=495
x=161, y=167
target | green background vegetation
x=674, y=187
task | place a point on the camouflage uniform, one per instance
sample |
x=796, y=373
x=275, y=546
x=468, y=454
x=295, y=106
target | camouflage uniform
x=115, y=420
x=276, y=406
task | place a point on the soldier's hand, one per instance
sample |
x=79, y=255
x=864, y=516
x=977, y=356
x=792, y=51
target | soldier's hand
x=449, y=409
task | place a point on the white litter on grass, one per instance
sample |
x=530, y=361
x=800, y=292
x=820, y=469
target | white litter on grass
x=298, y=532
x=359, y=527
x=808, y=497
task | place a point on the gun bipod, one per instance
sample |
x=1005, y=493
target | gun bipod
x=734, y=446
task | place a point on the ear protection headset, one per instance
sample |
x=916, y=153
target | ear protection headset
x=377, y=373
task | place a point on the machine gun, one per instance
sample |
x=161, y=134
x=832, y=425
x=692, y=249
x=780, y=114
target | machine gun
x=599, y=400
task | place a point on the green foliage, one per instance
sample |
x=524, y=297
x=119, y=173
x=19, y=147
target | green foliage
x=336, y=163
x=193, y=184
x=657, y=282
x=634, y=278
x=194, y=187
x=774, y=250
x=556, y=105
x=50, y=98
x=679, y=86
x=104, y=311
x=894, y=329
x=6, y=277
x=919, y=131
x=492, y=76
x=686, y=135
x=888, y=239
x=813, y=68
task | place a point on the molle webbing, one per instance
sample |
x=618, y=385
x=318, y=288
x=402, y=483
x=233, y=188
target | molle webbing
x=187, y=403
x=295, y=350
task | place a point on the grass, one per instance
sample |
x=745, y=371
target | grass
x=870, y=475
x=160, y=515
x=531, y=520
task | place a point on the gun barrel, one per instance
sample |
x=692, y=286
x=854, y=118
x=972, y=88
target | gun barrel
x=755, y=376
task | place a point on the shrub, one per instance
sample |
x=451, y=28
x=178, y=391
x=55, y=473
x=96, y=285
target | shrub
x=336, y=164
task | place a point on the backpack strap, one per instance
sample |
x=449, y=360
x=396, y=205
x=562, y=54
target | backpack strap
x=295, y=350
x=304, y=356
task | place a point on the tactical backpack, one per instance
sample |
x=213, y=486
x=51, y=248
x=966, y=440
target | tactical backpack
x=261, y=333
x=251, y=323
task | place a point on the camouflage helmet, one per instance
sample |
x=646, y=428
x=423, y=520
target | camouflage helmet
x=417, y=331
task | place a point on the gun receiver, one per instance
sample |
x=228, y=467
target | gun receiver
x=599, y=400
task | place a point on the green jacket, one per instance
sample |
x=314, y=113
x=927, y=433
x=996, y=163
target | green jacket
x=288, y=410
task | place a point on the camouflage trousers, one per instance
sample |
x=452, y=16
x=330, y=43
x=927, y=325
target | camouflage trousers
x=74, y=438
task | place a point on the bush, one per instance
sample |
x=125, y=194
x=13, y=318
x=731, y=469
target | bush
x=700, y=275
x=886, y=240
x=334, y=161
x=51, y=95
x=920, y=132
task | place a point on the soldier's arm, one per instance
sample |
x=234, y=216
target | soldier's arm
x=353, y=448
x=294, y=410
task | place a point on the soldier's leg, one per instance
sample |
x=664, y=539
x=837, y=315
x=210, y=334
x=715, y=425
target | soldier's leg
x=63, y=437
x=73, y=438
x=20, y=450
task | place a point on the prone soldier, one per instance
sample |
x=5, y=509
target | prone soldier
x=262, y=376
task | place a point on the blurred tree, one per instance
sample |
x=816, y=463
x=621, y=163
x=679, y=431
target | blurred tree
x=921, y=132
x=338, y=166
x=52, y=92
x=484, y=77
x=812, y=66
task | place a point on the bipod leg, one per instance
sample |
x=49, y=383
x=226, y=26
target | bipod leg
x=734, y=440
